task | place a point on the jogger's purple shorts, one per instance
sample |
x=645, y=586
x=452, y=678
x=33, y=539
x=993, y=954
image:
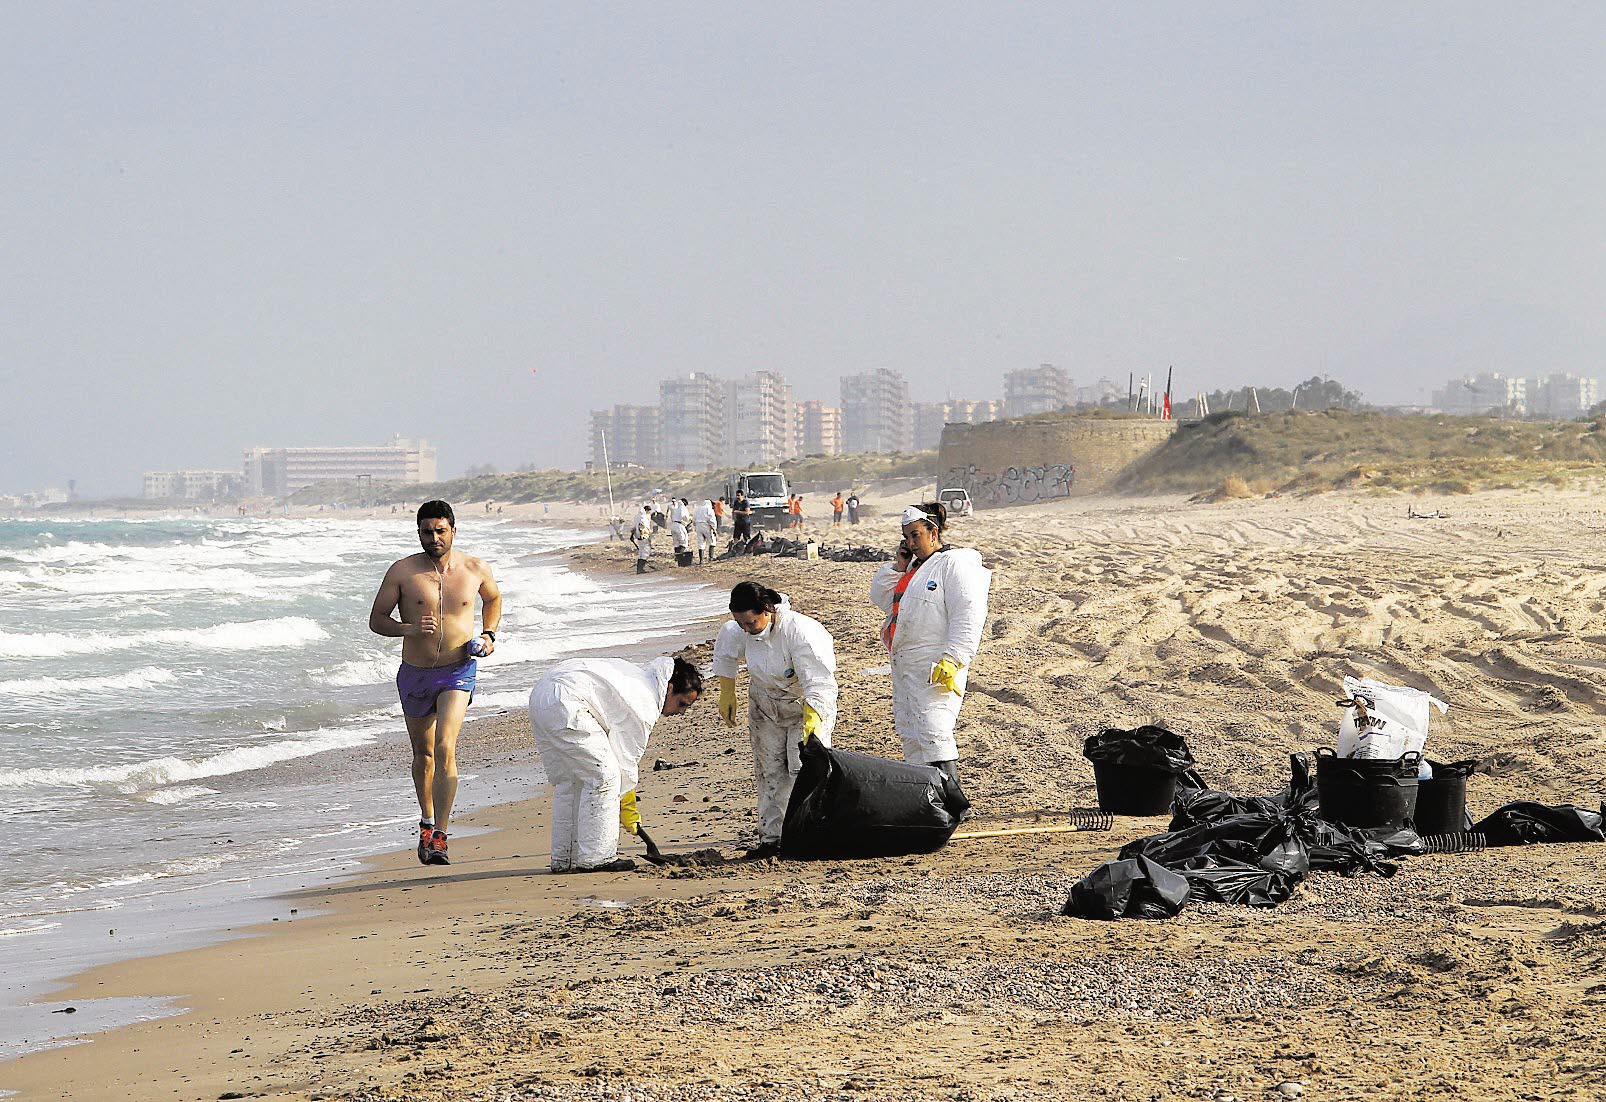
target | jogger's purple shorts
x=420, y=685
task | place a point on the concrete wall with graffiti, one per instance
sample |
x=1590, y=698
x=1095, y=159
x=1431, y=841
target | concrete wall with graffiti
x=1024, y=461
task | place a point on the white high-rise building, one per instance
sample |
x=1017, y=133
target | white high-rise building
x=876, y=413
x=1562, y=397
x=692, y=413
x=634, y=434
x=279, y=471
x=1485, y=393
x=1041, y=389
x=760, y=420
x=819, y=429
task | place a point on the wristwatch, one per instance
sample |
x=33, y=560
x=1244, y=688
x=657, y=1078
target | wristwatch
x=489, y=632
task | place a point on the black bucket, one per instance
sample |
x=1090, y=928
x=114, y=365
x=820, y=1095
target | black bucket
x=1134, y=789
x=1441, y=804
x=1367, y=793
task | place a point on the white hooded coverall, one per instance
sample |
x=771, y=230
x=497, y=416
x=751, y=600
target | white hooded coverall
x=641, y=535
x=704, y=524
x=940, y=613
x=590, y=718
x=791, y=662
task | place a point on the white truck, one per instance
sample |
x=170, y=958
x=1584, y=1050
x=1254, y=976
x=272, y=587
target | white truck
x=766, y=493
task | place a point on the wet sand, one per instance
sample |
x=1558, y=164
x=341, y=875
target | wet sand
x=951, y=976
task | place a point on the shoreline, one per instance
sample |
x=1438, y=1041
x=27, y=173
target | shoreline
x=950, y=976
x=494, y=747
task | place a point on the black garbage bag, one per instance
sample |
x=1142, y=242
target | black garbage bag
x=1214, y=881
x=847, y=805
x=1523, y=823
x=1193, y=806
x=1130, y=888
x=1147, y=747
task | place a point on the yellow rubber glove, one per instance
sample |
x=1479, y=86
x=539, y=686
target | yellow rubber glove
x=944, y=673
x=811, y=722
x=629, y=817
x=727, y=700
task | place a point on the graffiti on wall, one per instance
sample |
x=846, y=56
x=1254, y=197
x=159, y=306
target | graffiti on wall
x=1013, y=485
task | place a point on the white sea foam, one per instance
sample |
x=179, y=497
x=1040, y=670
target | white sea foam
x=140, y=776
x=285, y=631
x=69, y=688
x=373, y=670
x=167, y=797
x=146, y=579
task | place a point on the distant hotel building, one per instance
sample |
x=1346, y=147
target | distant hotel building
x=819, y=429
x=1044, y=389
x=693, y=413
x=760, y=420
x=930, y=417
x=627, y=434
x=275, y=472
x=876, y=414
x=1561, y=397
x=193, y=485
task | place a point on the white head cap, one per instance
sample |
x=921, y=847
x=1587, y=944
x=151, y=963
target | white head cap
x=914, y=513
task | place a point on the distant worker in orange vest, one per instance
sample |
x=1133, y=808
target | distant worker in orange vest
x=795, y=507
x=836, y=510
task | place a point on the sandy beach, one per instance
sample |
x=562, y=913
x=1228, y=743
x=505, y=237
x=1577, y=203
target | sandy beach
x=952, y=976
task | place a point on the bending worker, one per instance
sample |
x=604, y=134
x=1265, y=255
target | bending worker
x=791, y=694
x=590, y=718
x=935, y=598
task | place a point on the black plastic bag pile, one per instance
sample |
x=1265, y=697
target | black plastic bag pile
x=1146, y=747
x=1252, y=850
x=846, y=805
x=1524, y=823
x=855, y=554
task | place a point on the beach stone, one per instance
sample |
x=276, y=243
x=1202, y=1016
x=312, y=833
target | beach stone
x=1290, y=1090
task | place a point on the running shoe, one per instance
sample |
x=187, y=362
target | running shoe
x=423, y=843
x=437, y=849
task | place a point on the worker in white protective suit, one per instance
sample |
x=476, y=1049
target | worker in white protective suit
x=791, y=694
x=641, y=538
x=935, y=600
x=590, y=718
x=705, y=525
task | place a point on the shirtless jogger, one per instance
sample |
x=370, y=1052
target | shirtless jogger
x=435, y=591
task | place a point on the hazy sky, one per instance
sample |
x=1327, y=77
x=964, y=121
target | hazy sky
x=236, y=224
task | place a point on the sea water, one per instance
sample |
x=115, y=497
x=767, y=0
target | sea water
x=194, y=716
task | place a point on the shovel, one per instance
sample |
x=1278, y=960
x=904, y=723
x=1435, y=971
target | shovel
x=652, y=847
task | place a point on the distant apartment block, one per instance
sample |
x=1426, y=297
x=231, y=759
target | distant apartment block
x=760, y=420
x=876, y=414
x=1561, y=397
x=1101, y=392
x=279, y=471
x=193, y=485
x=819, y=429
x=1041, y=389
x=692, y=408
x=627, y=434
x=1486, y=393
x=930, y=417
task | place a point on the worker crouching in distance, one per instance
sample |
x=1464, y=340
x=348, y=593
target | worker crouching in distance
x=791, y=694
x=591, y=718
x=935, y=600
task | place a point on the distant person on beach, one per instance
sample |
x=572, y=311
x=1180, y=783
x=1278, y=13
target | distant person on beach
x=795, y=508
x=836, y=510
x=935, y=600
x=704, y=521
x=742, y=519
x=791, y=694
x=853, y=508
x=435, y=592
x=641, y=538
x=591, y=718
x=719, y=516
